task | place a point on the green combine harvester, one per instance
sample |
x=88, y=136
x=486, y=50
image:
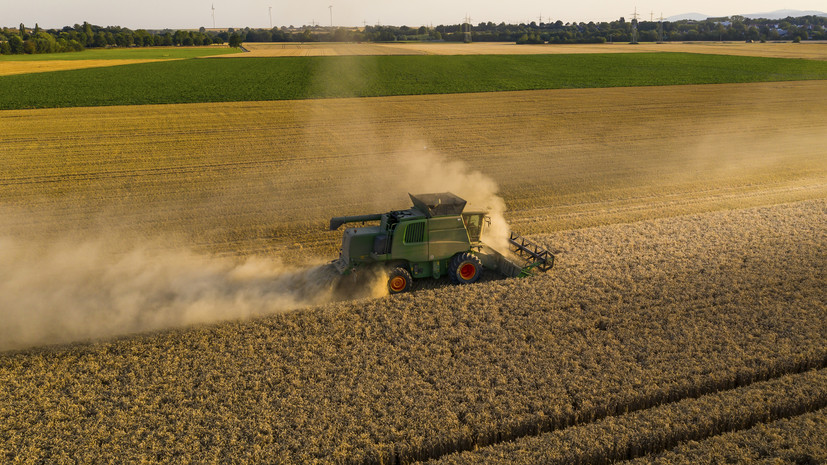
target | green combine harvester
x=431, y=239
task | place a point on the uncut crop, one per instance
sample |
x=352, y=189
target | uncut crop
x=256, y=79
x=650, y=431
x=633, y=317
x=794, y=440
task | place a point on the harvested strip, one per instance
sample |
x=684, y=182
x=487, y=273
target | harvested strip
x=274, y=182
x=8, y=68
x=663, y=427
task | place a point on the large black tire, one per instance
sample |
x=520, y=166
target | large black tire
x=399, y=281
x=465, y=268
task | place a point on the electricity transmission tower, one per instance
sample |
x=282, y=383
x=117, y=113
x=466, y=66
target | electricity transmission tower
x=634, y=26
x=660, y=29
x=466, y=29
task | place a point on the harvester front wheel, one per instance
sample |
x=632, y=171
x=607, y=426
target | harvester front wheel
x=399, y=281
x=465, y=268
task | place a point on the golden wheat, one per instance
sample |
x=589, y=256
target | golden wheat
x=795, y=440
x=634, y=316
x=654, y=430
x=776, y=50
x=24, y=67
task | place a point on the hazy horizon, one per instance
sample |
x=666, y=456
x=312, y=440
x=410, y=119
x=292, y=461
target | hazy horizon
x=193, y=14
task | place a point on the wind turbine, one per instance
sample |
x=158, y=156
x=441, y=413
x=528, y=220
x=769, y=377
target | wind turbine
x=213, y=15
x=331, y=15
x=270, y=13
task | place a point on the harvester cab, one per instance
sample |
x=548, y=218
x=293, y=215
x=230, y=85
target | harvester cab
x=433, y=238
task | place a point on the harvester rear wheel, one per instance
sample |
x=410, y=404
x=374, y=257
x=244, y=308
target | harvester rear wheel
x=465, y=268
x=399, y=281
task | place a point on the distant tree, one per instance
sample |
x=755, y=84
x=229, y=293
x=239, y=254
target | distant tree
x=90, y=34
x=74, y=46
x=99, y=40
x=178, y=37
x=16, y=44
x=235, y=40
x=23, y=34
x=123, y=39
x=341, y=35
x=5, y=48
x=44, y=43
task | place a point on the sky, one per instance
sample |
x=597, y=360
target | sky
x=192, y=14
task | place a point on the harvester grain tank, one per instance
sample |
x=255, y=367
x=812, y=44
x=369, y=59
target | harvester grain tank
x=433, y=238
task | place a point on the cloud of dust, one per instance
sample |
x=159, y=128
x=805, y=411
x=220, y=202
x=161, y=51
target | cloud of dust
x=79, y=290
x=416, y=169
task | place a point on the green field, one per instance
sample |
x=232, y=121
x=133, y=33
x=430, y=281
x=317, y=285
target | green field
x=148, y=53
x=254, y=79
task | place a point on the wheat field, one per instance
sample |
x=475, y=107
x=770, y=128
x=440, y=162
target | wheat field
x=635, y=317
x=148, y=316
x=8, y=68
x=776, y=50
x=560, y=159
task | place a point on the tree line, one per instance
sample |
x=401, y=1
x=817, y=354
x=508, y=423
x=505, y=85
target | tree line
x=83, y=36
x=734, y=28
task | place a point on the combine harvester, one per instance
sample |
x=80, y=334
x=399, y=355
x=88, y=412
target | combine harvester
x=431, y=239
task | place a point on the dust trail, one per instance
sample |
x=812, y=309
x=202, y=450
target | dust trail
x=416, y=169
x=78, y=290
